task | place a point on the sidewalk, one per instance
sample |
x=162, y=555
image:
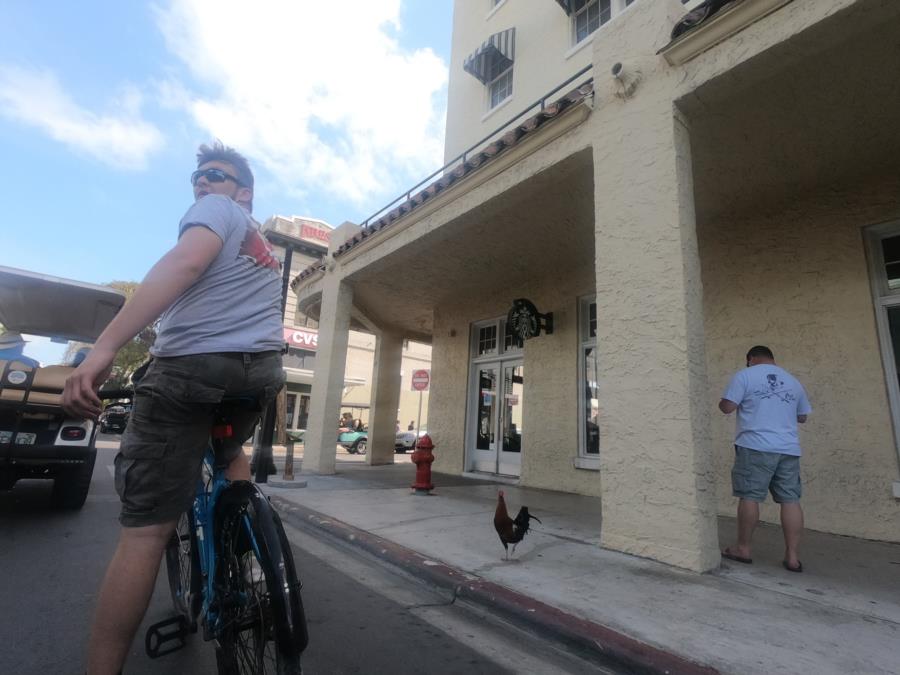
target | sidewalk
x=842, y=615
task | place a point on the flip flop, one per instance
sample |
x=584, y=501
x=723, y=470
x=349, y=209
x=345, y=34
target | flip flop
x=798, y=568
x=731, y=556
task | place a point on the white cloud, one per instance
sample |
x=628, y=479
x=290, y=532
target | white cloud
x=320, y=93
x=119, y=138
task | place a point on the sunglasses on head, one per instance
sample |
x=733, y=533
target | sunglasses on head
x=213, y=176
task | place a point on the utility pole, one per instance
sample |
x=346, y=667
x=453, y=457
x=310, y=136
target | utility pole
x=265, y=463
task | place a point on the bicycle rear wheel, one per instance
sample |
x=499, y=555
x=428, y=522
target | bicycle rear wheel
x=183, y=569
x=262, y=625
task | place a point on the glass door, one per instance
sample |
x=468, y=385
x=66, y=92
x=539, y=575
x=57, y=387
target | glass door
x=509, y=461
x=496, y=437
x=484, y=445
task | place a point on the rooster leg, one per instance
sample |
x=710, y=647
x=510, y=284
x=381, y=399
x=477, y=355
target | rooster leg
x=514, y=548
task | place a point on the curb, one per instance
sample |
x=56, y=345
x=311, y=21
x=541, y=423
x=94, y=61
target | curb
x=611, y=646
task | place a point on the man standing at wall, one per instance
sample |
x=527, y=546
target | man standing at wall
x=769, y=403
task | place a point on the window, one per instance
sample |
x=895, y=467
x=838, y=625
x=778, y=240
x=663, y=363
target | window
x=589, y=387
x=490, y=339
x=588, y=16
x=501, y=88
x=300, y=359
x=492, y=65
x=884, y=270
x=487, y=340
x=303, y=321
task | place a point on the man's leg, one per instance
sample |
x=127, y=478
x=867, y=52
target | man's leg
x=239, y=468
x=125, y=595
x=750, y=478
x=747, y=519
x=792, y=524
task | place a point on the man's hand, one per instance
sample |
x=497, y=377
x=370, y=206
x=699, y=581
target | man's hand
x=80, y=395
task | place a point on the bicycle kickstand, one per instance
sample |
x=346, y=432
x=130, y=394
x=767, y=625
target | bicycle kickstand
x=160, y=634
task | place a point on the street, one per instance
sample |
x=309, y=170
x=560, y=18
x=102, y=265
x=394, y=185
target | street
x=363, y=617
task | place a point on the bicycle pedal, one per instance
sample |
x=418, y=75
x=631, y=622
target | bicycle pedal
x=161, y=634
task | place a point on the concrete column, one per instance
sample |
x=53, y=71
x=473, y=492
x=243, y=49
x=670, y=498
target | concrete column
x=656, y=461
x=320, y=444
x=385, y=398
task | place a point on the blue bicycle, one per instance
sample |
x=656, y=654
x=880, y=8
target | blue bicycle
x=231, y=571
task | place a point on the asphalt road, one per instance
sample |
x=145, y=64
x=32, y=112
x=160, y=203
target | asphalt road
x=363, y=617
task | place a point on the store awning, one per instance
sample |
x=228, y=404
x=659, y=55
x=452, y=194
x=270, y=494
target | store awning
x=495, y=55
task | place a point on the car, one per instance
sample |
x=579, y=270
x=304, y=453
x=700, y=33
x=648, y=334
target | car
x=37, y=438
x=114, y=418
x=406, y=440
x=354, y=442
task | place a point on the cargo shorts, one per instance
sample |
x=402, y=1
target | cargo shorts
x=756, y=473
x=162, y=449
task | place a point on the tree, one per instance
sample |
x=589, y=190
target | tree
x=133, y=353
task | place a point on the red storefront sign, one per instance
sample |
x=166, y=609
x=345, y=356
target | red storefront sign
x=302, y=338
x=314, y=233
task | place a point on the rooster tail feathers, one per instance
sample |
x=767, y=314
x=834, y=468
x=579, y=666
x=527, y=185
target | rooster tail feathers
x=523, y=518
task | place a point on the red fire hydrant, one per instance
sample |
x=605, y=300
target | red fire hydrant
x=422, y=458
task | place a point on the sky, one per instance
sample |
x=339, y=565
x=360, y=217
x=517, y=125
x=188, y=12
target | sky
x=339, y=107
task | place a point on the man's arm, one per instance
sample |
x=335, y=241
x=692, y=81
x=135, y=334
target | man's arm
x=173, y=274
x=727, y=406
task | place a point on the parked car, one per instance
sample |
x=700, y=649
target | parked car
x=37, y=438
x=114, y=418
x=406, y=440
x=354, y=442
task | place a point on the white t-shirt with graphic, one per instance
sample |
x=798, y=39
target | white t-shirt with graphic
x=769, y=400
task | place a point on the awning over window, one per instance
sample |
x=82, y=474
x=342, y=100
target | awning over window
x=566, y=5
x=495, y=55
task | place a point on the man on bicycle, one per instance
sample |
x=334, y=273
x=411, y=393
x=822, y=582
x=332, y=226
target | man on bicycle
x=219, y=293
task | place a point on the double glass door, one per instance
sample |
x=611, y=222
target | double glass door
x=495, y=438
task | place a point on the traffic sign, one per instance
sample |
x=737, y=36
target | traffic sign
x=420, y=380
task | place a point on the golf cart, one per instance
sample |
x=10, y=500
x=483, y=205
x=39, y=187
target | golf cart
x=37, y=439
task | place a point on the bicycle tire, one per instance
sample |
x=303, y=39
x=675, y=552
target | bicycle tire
x=262, y=625
x=183, y=569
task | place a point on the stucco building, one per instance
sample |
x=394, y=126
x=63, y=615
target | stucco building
x=671, y=203
x=308, y=240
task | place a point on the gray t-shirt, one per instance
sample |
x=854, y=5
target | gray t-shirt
x=235, y=305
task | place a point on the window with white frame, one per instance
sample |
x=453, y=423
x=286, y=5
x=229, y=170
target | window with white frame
x=588, y=384
x=884, y=268
x=489, y=339
x=492, y=65
x=588, y=16
x=500, y=83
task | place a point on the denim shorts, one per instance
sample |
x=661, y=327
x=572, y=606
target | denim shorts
x=756, y=473
x=161, y=453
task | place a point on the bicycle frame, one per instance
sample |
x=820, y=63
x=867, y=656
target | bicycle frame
x=211, y=486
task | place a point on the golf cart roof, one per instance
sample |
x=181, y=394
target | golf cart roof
x=40, y=304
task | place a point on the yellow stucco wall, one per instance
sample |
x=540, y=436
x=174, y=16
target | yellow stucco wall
x=550, y=415
x=796, y=279
x=544, y=58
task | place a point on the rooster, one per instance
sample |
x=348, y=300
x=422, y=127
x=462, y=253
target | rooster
x=511, y=531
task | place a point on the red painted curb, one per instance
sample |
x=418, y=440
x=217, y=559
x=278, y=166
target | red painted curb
x=613, y=646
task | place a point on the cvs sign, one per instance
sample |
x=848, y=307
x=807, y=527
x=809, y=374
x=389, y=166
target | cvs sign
x=302, y=338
